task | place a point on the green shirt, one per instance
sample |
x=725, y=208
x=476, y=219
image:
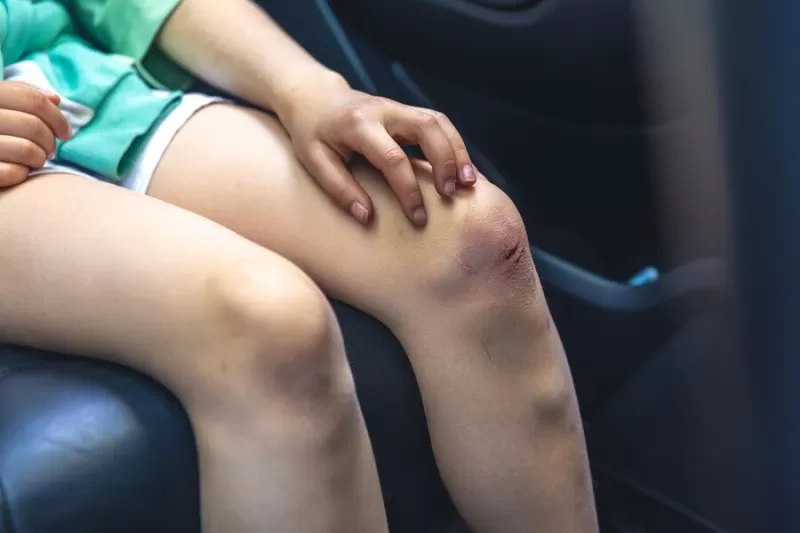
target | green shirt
x=98, y=55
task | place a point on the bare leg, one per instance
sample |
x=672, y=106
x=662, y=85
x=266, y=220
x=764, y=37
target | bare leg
x=462, y=296
x=241, y=336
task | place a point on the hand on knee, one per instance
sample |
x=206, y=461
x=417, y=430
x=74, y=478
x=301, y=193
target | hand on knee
x=479, y=282
x=483, y=252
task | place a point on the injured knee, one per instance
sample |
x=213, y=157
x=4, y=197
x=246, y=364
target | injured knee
x=482, y=254
x=495, y=246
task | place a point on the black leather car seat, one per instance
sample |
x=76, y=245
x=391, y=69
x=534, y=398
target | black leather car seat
x=86, y=446
x=93, y=447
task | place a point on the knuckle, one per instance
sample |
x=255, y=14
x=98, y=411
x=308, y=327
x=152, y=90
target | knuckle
x=12, y=149
x=440, y=117
x=37, y=158
x=427, y=119
x=461, y=153
x=25, y=150
x=413, y=196
x=36, y=101
x=341, y=191
x=413, y=193
x=355, y=115
x=27, y=153
x=373, y=101
x=394, y=157
x=33, y=128
x=28, y=127
x=11, y=174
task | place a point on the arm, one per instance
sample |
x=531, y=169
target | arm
x=237, y=47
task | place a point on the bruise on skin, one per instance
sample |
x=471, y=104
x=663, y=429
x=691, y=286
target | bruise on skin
x=548, y=381
x=520, y=339
x=497, y=245
x=553, y=402
x=304, y=380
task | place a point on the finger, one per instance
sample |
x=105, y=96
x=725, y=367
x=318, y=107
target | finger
x=22, y=152
x=467, y=174
x=23, y=125
x=330, y=172
x=423, y=128
x=53, y=97
x=12, y=174
x=24, y=98
x=375, y=143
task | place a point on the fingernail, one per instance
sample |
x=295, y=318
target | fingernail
x=449, y=187
x=51, y=156
x=468, y=173
x=359, y=212
x=419, y=216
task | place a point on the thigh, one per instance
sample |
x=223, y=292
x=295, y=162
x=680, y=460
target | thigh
x=236, y=166
x=91, y=268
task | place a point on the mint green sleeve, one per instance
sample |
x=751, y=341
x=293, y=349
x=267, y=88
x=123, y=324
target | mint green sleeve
x=3, y=34
x=129, y=28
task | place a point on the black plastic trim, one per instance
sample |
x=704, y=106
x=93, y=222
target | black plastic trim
x=666, y=503
x=344, y=43
x=517, y=13
x=696, y=276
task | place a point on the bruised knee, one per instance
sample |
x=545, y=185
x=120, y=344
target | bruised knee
x=276, y=340
x=493, y=242
x=488, y=248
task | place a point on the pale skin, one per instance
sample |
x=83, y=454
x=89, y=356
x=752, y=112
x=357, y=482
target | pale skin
x=216, y=296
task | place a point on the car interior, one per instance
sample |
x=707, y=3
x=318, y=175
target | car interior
x=646, y=144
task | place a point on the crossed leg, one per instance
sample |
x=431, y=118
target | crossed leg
x=461, y=295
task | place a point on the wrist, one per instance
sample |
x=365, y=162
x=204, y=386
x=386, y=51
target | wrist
x=299, y=91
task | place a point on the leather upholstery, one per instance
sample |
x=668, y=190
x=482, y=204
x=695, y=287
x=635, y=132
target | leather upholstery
x=92, y=447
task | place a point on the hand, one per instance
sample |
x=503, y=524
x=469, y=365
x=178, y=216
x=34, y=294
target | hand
x=330, y=126
x=30, y=121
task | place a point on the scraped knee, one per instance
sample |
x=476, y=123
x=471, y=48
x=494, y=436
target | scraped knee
x=486, y=250
x=492, y=241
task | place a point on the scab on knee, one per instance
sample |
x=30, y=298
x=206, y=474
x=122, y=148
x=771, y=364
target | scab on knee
x=495, y=245
x=490, y=248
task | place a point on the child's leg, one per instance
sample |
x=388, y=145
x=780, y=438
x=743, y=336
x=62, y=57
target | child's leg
x=239, y=334
x=462, y=296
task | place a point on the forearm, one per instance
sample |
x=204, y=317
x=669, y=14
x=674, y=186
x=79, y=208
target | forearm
x=236, y=46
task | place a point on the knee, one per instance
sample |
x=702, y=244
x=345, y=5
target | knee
x=275, y=339
x=488, y=248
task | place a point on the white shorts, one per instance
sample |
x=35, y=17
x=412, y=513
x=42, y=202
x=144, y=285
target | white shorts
x=145, y=165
